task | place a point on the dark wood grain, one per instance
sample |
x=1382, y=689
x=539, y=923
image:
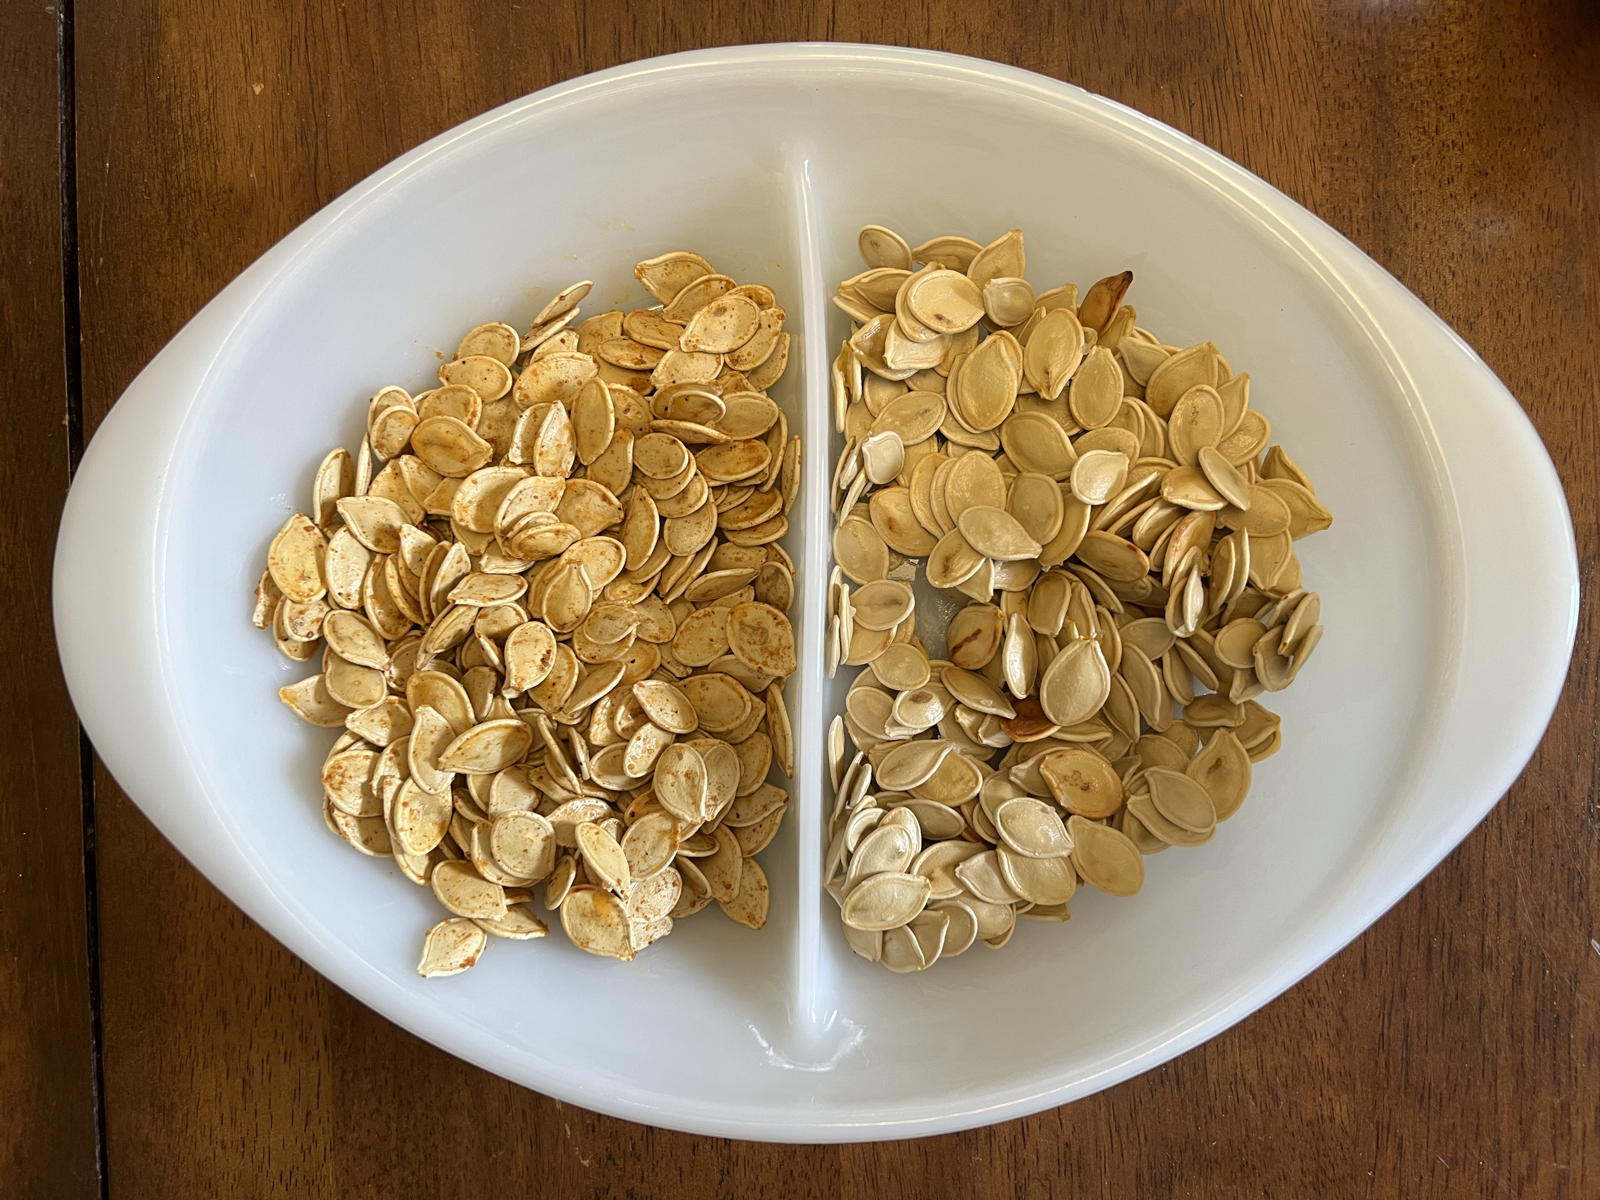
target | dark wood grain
x=1452, y=1051
x=48, y=1129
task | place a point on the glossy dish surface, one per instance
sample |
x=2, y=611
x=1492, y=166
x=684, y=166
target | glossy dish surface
x=1414, y=717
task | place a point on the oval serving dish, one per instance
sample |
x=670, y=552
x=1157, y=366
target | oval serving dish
x=1415, y=717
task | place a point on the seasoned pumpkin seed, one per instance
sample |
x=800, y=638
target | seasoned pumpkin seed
x=554, y=627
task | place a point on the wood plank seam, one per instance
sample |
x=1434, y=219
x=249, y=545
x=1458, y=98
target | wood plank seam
x=72, y=366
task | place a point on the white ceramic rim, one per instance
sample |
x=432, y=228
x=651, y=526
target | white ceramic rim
x=1495, y=686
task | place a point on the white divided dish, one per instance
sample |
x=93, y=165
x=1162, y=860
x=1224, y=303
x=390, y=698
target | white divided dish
x=1418, y=711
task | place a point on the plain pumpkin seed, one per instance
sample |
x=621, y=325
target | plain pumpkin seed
x=886, y=901
x=1116, y=534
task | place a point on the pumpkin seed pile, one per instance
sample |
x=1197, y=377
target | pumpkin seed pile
x=1111, y=534
x=552, y=626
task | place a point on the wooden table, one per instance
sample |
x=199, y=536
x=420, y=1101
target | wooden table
x=155, y=1043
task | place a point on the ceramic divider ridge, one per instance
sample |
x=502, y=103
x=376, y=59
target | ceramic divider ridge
x=810, y=1008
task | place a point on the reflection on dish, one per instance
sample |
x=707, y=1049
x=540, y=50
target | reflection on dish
x=836, y=1040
